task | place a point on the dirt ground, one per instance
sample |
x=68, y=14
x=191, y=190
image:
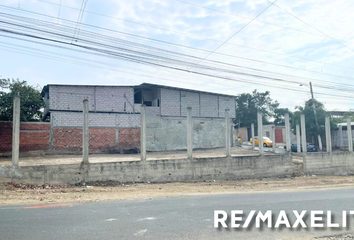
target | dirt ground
x=18, y=194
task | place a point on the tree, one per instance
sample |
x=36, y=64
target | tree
x=249, y=104
x=31, y=100
x=279, y=115
x=311, y=128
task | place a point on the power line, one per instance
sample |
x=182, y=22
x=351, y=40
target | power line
x=28, y=20
x=194, y=36
x=240, y=73
x=144, y=60
x=238, y=31
x=314, y=27
x=240, y=16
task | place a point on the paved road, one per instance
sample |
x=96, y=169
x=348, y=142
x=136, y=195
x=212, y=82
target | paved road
x=167, y=218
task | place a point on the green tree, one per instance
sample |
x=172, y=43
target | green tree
x=31, y=100
x=311, y=128
x=249, y=104
x=279, y=115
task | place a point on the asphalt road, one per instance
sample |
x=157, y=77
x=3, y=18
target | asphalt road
x=170, y=218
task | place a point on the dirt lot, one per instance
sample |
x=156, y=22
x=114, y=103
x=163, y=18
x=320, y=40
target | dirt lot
x=13, y=194
x=97, y=158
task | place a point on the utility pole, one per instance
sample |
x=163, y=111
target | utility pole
x=314, y=112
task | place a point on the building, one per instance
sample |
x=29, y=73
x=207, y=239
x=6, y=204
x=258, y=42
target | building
x=245, y=133
x=114, y=117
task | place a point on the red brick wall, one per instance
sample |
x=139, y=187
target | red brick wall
x=5, y=137
x=36, y=136
x=70, y=139
x=33, y=137
x=129, y=138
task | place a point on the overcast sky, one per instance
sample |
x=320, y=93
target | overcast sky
x=302, y=41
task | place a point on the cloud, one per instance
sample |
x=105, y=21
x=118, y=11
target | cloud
x=197, y=27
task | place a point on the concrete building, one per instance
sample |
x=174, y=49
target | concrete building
x=114, y=116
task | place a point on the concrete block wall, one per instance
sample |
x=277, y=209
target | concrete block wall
x=226, y=103
x=175, y=103
x=178, y=170
x=336, y=140
x=170, y=133
x=75, y=119
x=170, y=102
x=209, y=105
x=323, y=163
x=190, y=99
x=104, y=99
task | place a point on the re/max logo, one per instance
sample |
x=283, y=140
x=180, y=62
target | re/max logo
x=236, y=220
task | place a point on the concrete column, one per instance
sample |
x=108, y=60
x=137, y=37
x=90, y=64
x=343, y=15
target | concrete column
x=189, y=133
x=350, y=137
x=340, y=137
x=260, y=132
x=303, y=134
x=85, y=133
x=298, y=137
x=273, y=137
x=287, y=132
x=328, y=135
x=227, y=132
x=16, y=131
x=252, y=132
x=143, y=132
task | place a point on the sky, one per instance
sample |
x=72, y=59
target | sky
x=291, y=41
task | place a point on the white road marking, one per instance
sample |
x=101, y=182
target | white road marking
x=140, y=233
x=111, y=220
x=148, y=218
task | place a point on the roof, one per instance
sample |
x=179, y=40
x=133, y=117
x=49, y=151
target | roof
x=146, y=86
x=344, y=124
x=46, y=87
x=150, y=85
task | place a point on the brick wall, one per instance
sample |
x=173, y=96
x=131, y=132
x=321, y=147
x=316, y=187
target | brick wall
x=129, y=138
x=33, y=137
x=5, y=137
x=70, y=139
x=36, y=137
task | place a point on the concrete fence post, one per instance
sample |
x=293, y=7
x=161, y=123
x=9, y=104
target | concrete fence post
x=260, y=132
x=16, y=131
x=252, y=133
x=303, y=134
x=287, y=132
x=85, y=133
x=298, y=138
x=340, y=137
x=350, y=137
x=273, y=138
x=189, y=133
x=328, y=135
x=143, y=132
x=227, y=132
